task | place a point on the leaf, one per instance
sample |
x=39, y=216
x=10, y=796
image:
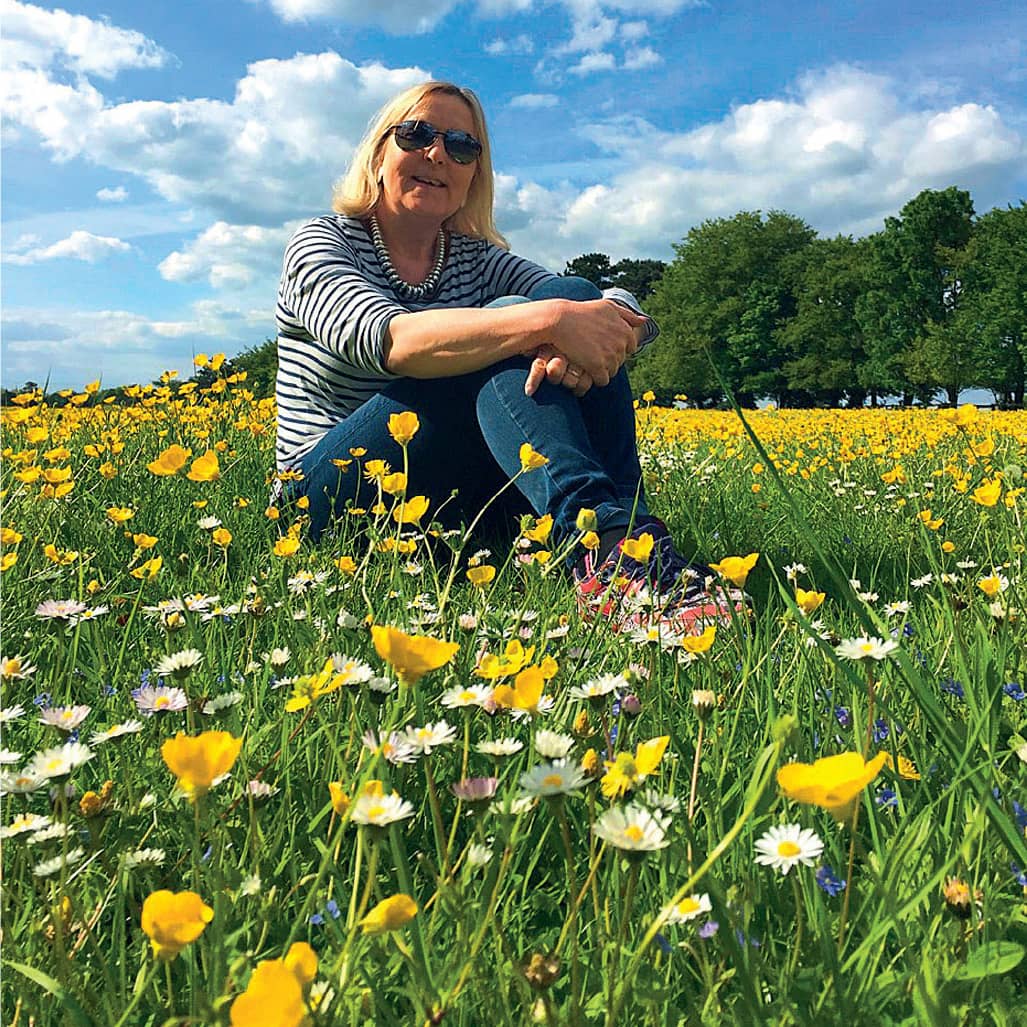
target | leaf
x=996, y=957
x=48, y=984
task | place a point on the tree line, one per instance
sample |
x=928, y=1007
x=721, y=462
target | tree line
x=936, y=301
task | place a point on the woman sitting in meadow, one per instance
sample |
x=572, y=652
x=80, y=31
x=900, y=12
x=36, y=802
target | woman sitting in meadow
x=408, y=300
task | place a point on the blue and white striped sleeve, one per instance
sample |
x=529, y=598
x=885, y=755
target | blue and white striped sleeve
x=324, y=288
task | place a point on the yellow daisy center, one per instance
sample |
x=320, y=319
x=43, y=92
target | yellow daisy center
x=634, y=832
x=553, y=780
x=161, y=702
x=788, y=849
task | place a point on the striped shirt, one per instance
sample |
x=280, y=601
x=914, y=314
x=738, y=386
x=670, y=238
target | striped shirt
x=334, y=309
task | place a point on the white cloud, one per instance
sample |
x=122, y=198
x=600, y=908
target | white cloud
x=248, y=161
x=116, y=195
x=38, y=38
x=402, y=17
x=121, y=346
x=632, y=31
x=593, y=62
x=229, y=255
x=515, y=46
x=77, y=246
x=534, y=101
x=643, y=57
x=843, y=151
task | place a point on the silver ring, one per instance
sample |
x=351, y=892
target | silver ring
x=572, y=371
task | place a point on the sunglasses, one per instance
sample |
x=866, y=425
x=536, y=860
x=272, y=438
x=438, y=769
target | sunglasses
x=419, y=135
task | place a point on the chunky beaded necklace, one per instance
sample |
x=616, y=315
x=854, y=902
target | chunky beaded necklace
x=405, y=289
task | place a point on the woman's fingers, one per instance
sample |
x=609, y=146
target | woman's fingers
x=536, y=376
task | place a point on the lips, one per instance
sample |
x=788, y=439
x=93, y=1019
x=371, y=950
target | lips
x=432, y=182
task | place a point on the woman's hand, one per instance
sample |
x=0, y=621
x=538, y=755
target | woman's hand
x=595, y=336
x=556, y=368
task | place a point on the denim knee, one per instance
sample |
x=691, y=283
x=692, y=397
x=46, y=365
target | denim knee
x=567, y=287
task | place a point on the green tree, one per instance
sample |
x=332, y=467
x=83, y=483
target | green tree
x=261, y=366
x=994, y=302
x=724, y=298
x=596, y=267
x=639, y=277
x=912, y=283
x=823, y=340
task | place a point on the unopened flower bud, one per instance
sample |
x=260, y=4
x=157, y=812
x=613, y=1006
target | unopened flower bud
x=959, y=898
x=631, y=705
x=703, y=701
x=581, y=725
x=586, y=520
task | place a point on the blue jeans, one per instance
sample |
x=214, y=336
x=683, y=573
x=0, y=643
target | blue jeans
x=472, y=428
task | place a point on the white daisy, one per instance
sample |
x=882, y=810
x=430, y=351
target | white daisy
x=59, y=761
x=90, y=614
x=208, y=523
x=49, y=867
x=64, y=718
x=898, y=609
x=431, y=736
x=59, y=609
x=346, y=620
x=50, y=833
x=179, y=665
x=781, y=847
x=15, y=668
x=599, y=687
x=513, y=806
x=922, y=582
x=24, y=824
x=278, y=658
x=556, y=778
x=261, y=789
x=865, y=648
x=353, y=671
x=631, y=829
x=144, y=858
x=690, y=907
x=477, y=855
x=551, y=745
x=250, y=885
x=108, y=734
x=393, y=747
x=8, y=757
x=221, y=702
x=466, y=695
x=499, y=747
x=380, y=810
x=162, y=699
x=9, y=713
x=20, y=783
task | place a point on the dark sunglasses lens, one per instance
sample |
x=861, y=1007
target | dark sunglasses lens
x=463, y=148
x=414, y=135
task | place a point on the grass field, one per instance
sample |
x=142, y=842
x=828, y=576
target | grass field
x=395, y=780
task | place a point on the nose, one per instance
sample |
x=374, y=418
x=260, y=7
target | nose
x=436, y=149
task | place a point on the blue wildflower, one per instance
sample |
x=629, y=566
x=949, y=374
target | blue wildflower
x=331, y=908
x=665, y=946
x=881, y=730
x=950, y=686
x=709, y=929
x=841, y=714
x=829, y=881
x=1014, y=691
x=1021, y=815
x=886, y=798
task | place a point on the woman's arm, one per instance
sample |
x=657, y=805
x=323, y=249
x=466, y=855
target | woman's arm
x=597, y=336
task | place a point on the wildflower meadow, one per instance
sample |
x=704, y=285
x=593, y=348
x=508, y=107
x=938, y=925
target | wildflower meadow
x=396, y=779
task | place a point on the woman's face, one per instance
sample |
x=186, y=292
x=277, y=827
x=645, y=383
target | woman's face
x=427, y=183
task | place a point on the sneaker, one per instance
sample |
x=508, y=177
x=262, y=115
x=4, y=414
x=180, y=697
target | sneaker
x=664, y=592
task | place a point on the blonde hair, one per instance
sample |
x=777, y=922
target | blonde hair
x=358, y=191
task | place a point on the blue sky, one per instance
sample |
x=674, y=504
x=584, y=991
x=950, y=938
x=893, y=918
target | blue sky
x=156, y=157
